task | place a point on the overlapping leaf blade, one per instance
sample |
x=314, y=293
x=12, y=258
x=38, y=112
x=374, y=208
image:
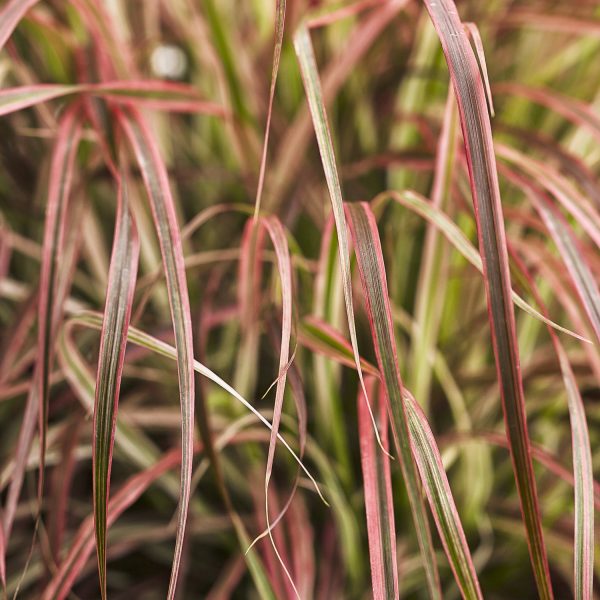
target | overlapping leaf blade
x=163, y=210
x=416, y=434
x=583, y=474
x=51, y=295
x=370, y=263
x=378, y=500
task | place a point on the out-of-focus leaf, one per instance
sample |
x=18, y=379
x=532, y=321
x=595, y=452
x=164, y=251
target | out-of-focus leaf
x=161, y=95
x=10, y=16
x=583, y=473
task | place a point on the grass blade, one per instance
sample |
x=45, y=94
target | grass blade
x=279, y=29
x=314, y=94
x=439, y=494
x=49, y=303
x=378, y=500
x=10, y=16
x=83, y=544
x=277, y=234
x=583, y=474
x=156, y=180
x=475, y=122
x=372, y=274
x=457, y=238
x=113, y=340
x=140, y=338
x=577, y=266
x=160, y=95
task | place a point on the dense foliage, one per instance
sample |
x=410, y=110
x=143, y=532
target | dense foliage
x=299, y=299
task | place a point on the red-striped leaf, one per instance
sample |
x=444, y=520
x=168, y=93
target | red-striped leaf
x=83, y=544
x=374, y=283
x=439, y=494
x=163, y=210
x=159, y=95
x=378, y=499
x=284, y=265
x=113, y=340
x=475, y=122
x=50, y=299
x=314, y=94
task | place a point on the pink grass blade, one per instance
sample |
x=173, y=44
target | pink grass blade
x=583, y=474
x=156, y=180
x=314, y=94
x=378, y=501
x=560, y=188
x=319, y=336
x=49, y=304
x=10, y=16
x=475, y=122
x=284, y=265
x=372, y=273
x=439, y=494
x=159, y=95
x=113, y=341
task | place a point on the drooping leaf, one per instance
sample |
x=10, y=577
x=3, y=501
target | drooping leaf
x=140, y=338
x=314, y=94
x=159, y=95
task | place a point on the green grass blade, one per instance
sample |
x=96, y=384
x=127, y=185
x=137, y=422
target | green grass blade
x=439, y=494
x=457, y=238
x=140, y=338
x=314, y=94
